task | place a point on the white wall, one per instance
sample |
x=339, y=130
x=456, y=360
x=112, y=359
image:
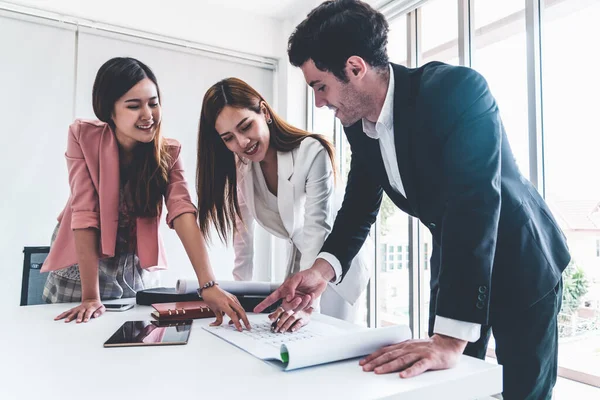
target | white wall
x=34, y=187
x=200, y=21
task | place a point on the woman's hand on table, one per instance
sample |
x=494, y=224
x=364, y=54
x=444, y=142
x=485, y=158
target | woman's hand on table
x=90, y=308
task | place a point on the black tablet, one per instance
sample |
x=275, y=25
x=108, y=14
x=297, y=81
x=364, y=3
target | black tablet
x=150, y=333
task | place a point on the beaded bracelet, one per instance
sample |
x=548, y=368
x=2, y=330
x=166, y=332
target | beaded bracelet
x=206, y=286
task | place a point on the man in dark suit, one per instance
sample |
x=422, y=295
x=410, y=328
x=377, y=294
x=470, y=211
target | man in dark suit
x=433, y=140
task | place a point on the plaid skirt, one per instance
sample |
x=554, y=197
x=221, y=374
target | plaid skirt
x=119, y=277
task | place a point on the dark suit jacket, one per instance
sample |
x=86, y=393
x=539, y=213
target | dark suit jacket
x=493, y=234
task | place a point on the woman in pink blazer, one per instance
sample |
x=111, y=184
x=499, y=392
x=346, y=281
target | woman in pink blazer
x=107, y=244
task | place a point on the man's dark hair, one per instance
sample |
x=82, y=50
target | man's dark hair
x=337, y=30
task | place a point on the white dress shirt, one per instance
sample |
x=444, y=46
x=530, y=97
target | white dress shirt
x=383, y=130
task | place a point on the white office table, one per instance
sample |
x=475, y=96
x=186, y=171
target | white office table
x=45, y=359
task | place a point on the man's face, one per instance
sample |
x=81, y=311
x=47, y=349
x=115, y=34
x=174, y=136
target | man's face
x=349, y=104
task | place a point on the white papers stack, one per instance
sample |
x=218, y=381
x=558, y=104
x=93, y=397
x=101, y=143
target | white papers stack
x=314, y=344
x=245, y=288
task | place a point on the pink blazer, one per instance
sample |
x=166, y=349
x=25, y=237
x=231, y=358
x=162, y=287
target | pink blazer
x=93, y=163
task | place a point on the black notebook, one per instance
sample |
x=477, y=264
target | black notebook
x=148, y=297
x=169, y=295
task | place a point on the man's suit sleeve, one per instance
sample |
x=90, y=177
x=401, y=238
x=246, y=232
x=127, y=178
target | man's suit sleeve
x=354, y=219
x=471, y=167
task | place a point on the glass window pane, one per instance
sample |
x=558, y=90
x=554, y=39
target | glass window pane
x=489, y=13
x=500, y=56
x=393, y=233
x=439, y=19
x=344, y=157
x=426, y=255
x=397, y=40
x=571, y=144
x=426, y=240
x=323, y=121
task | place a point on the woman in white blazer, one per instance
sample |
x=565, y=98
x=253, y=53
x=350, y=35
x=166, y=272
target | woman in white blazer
x=253, y=166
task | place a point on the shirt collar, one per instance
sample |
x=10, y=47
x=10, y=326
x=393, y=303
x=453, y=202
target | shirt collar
x=386, y=117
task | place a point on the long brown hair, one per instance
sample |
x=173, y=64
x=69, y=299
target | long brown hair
x=148, y=173
x=216, y=179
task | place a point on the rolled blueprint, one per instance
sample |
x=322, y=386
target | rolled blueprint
x=317, y=351
x=237, y=288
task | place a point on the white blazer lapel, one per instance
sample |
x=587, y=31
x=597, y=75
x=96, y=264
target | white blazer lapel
x=285, y=190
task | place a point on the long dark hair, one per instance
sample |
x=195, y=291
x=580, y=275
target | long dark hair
x=148, y=173
x=216, y=182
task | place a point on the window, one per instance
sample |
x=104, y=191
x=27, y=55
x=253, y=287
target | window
x=323, y=121
x=571, y=146
x=382, y=255
x=425, y=245
x=397, y=40
x=440, y=31
x=392, y=229
x=500, y=55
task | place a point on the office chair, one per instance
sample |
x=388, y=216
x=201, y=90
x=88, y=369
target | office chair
x=33, y=282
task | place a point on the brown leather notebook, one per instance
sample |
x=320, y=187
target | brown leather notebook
x=181, y=310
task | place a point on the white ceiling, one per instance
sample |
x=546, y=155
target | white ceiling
x=278, y=9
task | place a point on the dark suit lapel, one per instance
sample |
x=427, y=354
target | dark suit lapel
x=403, y=117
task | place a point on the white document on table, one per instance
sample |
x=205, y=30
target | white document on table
x=314, y=344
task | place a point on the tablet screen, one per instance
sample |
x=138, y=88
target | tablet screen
x=150, y=333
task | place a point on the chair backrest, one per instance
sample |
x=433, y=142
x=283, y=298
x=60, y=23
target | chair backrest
x=33, y=282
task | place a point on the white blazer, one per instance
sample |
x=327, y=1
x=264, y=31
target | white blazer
x=307, y=207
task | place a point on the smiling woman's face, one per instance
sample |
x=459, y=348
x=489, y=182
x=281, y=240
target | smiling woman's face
x=136, y=114
x=244, y=132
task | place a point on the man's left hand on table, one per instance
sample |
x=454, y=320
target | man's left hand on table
x=413, y=357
